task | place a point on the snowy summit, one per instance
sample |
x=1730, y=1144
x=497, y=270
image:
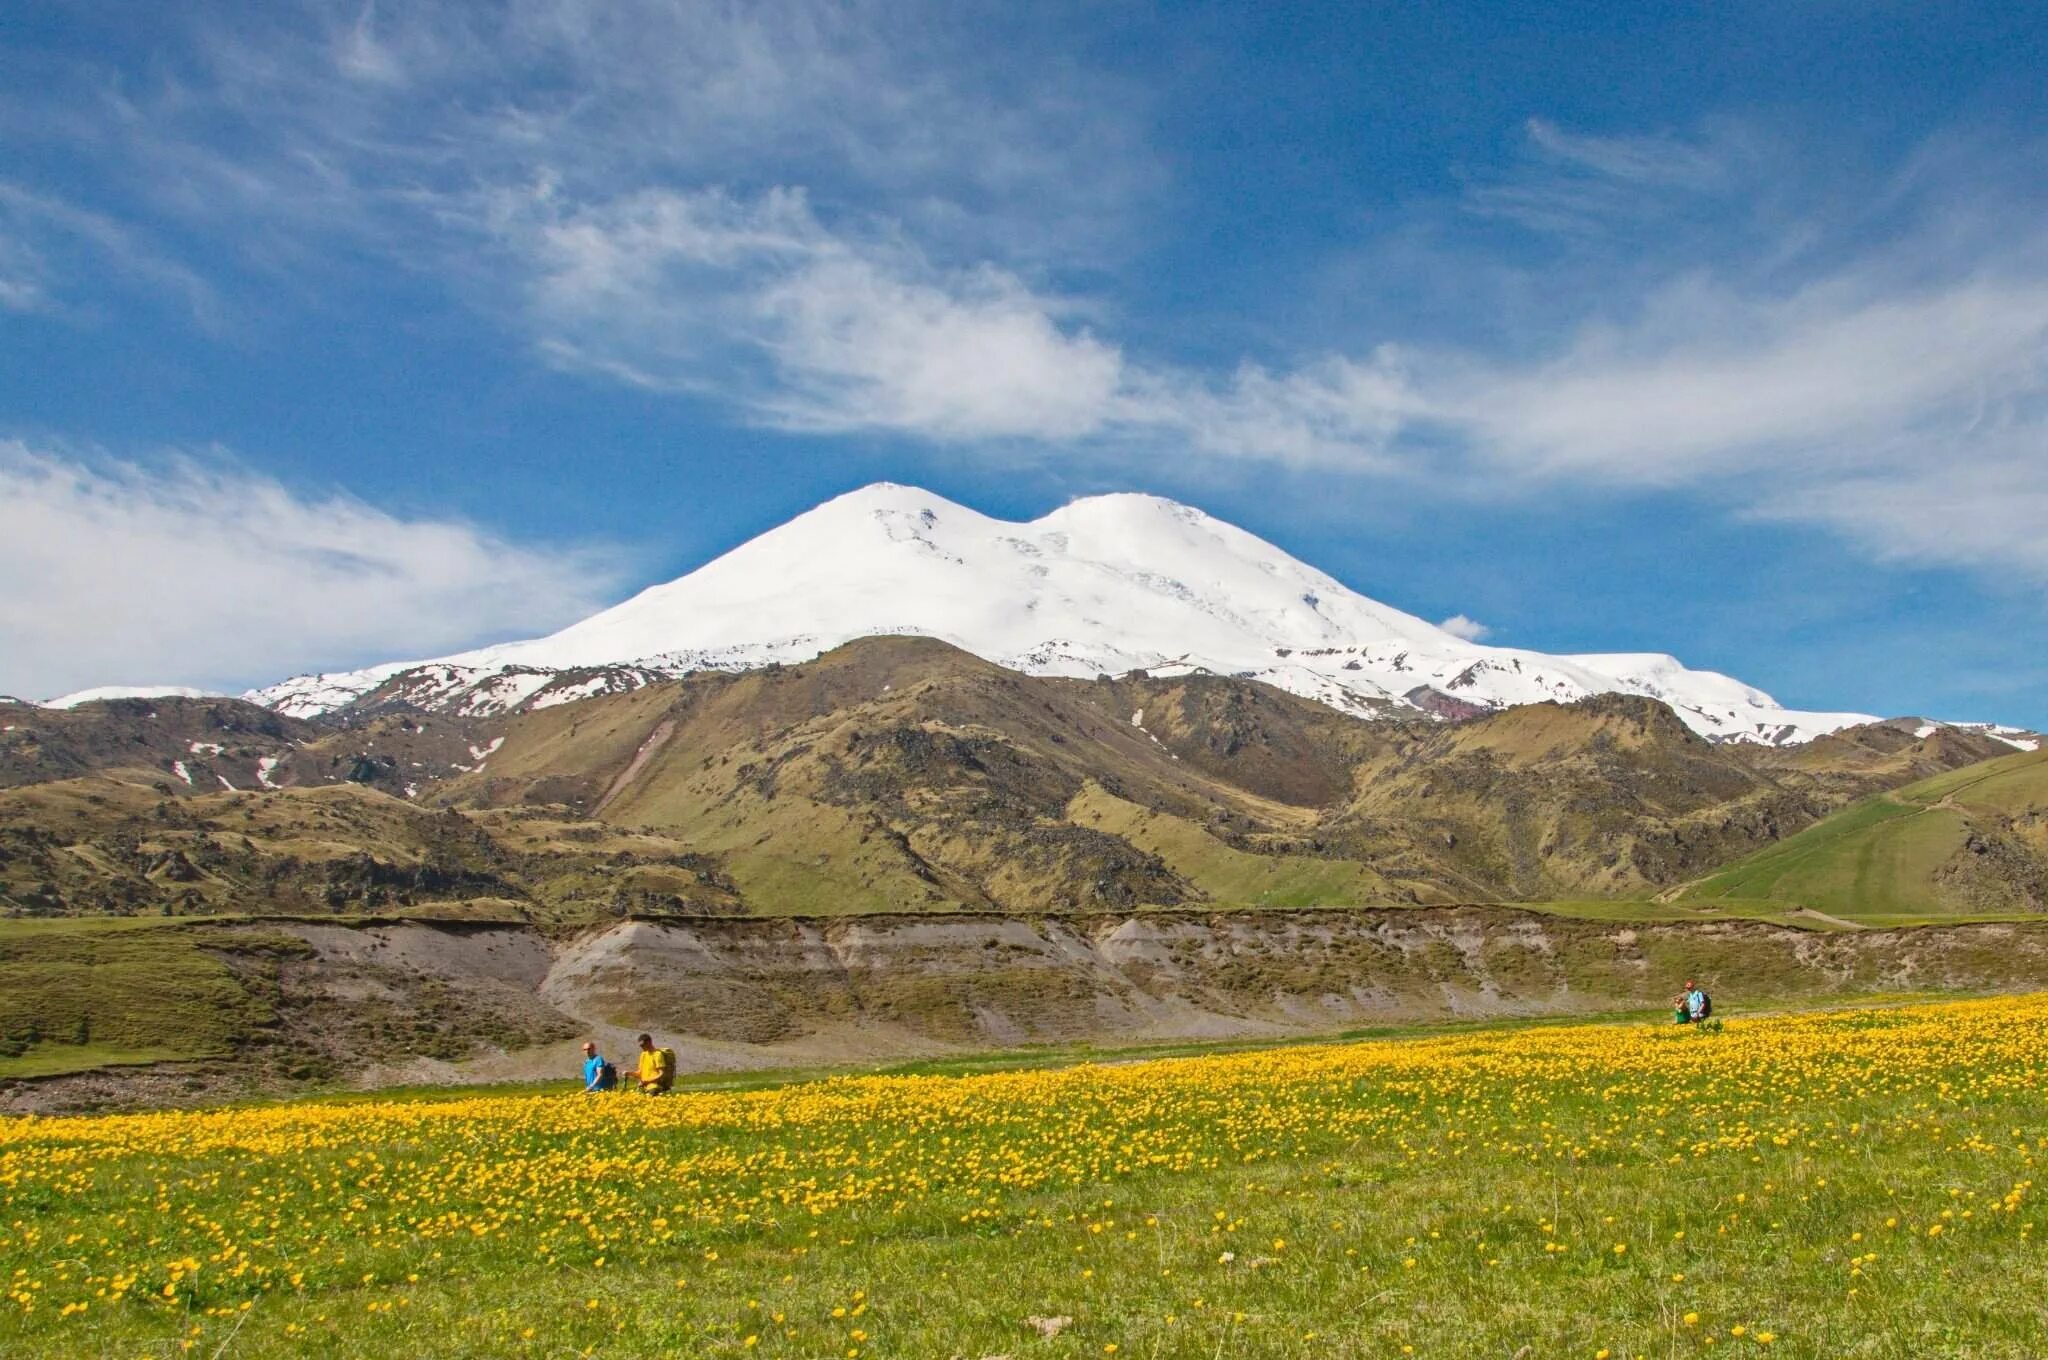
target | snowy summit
x=1108, y=584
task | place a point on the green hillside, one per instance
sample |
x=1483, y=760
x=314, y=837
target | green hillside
x=1971, y=841
x=106, y=992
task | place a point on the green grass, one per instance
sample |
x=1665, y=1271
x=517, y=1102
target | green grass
x=1635, y=909
x=1875, y=858
x=1911, y=920
x=87, y=993
x=2008, y=783
x=53, y=1060
x=1229, y=877
x=841, y=870
x=1833, y=1184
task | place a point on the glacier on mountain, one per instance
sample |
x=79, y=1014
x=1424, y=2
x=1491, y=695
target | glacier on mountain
x=1104, y=585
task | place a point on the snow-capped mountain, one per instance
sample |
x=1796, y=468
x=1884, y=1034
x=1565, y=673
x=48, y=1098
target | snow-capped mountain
x=1108, y=584
x=99, y=692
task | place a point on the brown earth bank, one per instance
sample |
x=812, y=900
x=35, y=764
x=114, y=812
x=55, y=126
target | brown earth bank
x=383, y=1003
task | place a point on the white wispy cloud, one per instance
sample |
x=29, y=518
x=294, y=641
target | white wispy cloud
x=1887, y=380
x=812, y=331
x=1659, y=159
x=1472, y=630
x=205, y=573
x=359, y=54
x=1875, y=365
x=1704, y=384
x=826, y=332
x=1982, y=511
x=388, y=121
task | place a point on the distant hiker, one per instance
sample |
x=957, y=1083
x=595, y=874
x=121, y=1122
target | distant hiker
x=1681, y=1013
x=1698, y=1005
x=599, y=1074
x=657, y=1067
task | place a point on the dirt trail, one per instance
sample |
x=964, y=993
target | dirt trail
x=1839, y=923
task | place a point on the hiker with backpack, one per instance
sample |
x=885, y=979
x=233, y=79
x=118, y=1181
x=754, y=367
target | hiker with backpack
x=599, y=1073
x=1693, y=1004
x=657, y=1067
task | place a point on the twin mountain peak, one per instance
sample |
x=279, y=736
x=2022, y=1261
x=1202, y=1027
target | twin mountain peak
x=1104, y=585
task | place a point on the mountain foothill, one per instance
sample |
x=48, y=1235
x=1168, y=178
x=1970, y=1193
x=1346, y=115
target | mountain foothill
x=904, y=774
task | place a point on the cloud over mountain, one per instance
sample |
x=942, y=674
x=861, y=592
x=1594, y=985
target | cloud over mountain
x=205, y=572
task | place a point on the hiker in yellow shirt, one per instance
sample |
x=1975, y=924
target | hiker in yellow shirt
x=657, y=1067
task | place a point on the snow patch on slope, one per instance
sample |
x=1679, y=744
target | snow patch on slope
x=2019, y=738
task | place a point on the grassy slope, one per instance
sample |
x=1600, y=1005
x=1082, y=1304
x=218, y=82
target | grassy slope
x=107, y=844
x=1878, y=859
x=1574, y=1192
x=898, y=773
x=1608, y=798
x=83, y=994
x=1637, y=910
x=76, y=995
x=2008, y=784
x=1229, y=877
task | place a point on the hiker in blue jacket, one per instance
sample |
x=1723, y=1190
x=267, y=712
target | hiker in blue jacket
x=598, y=1074
x=1692, y=1005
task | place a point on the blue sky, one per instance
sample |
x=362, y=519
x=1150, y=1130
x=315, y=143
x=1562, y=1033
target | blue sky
x=337, y=333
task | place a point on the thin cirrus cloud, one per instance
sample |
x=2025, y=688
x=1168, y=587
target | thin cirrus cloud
x=1741, y=384
x=205, y=573
x=47, y=243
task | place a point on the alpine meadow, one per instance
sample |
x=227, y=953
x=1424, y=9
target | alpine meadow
x=1840, y=1183
x=1065, y=681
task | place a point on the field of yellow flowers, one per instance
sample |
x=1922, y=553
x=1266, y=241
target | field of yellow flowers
x=1849, y=1183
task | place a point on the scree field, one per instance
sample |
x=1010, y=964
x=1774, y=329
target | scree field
x=1851, y=1183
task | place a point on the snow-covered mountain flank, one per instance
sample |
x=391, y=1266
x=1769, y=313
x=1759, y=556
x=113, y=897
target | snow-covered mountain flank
x=101, y=692
x=1107, y=584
